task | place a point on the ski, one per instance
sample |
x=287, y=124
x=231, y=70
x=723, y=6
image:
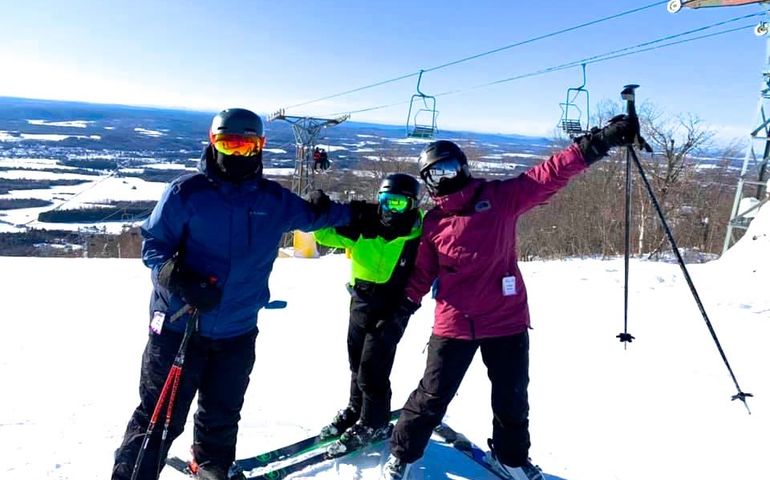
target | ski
x=287, y=452
x=284, y=471
x=178, y=464
x=184, y=467
x=295, y=449
x=461, y=443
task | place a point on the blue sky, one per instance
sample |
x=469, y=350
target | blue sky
x=265, y=55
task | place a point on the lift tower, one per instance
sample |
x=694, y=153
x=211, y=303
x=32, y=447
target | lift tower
x=751, y=191
x=306, y=131
x=752, y=188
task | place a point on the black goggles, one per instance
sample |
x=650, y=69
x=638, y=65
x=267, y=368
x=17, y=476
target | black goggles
x=444, y=169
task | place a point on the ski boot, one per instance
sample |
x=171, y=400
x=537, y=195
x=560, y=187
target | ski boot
x=356, y=437
x=395, y=469
x=344, y=419
x=210, y=471
x=528, y=471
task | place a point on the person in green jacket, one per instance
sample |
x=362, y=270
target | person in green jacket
x=382, y=260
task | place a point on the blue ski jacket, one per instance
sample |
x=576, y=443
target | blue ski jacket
x=228, y=231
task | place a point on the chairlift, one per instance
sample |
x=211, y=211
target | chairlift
x=572, y=115
x=320, y=156
x=674, y=6
x=423, y=124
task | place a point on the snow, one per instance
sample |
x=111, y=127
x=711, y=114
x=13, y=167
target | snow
x=148, y=132
x=165, y=166
x=33, y=164
x=42, y=175
x=67, y=123
x=657, y=408
x=278, y=171
x=49, y=137
x=97, y=190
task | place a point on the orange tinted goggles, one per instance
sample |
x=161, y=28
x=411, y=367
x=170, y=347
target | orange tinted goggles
x=243, y=145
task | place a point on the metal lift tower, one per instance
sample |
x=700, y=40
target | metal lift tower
x=753, y=181
x=754, y=171
x=306, y=131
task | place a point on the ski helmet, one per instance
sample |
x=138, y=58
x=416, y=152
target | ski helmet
x=397, y=199
x=237, y=137
x=443, y=168
x=402, y=184
x=237, y=121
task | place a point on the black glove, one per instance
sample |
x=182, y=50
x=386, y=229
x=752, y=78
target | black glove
x=365, y=218
x=619, y=130
x=319, y=201
x=397, y=323
x=194, y=289
x=407, y=308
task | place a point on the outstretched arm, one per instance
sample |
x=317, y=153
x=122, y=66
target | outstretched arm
x=540, y=182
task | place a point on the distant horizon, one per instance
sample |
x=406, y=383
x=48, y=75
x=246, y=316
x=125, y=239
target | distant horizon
x=504, y=68
x=262, y=114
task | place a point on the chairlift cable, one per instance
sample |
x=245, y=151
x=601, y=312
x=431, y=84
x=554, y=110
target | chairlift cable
x=547, y=35
x=478, y=55
x=588, y=60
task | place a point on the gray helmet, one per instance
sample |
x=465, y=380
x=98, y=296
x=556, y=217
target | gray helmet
x=237, y=121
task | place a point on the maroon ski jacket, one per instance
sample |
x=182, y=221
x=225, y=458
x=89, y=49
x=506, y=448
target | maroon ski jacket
x=469, y=245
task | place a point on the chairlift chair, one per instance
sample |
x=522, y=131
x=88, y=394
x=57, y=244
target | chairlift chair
x=572, y=115
x=425, y=109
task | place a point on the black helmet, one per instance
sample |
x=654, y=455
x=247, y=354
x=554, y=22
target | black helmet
x=400, y=183
x=397, y=213
x=237, y=121
x=450, y=160
x=237, y=137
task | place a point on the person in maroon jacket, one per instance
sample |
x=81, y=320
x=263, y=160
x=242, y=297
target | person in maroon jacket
x=468, y=248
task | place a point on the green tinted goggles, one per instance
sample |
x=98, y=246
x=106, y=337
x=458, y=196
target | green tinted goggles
x=394, y=202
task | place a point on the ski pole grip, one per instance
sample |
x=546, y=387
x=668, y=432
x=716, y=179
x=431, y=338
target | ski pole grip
x=629, y=95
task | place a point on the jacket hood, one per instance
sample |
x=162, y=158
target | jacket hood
x=207, y=165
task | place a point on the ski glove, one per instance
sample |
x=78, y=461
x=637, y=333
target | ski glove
x=407, y=308
x=319, y=201
x=619, y=130
x=365, y=218
x=196, y=290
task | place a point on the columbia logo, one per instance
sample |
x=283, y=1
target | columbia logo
x=483, y=206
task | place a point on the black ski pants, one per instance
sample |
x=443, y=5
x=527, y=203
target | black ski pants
x=218, y=370
x=373, y=334
x=507, y=362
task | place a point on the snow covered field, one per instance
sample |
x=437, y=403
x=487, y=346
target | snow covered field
x=74, y=329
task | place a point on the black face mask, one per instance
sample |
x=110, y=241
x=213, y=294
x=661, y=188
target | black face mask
x=237, y=168
x=397, y=224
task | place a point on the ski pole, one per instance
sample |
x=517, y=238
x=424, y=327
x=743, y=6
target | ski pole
x=169, y=390
x=626, y=337
x=629, y=95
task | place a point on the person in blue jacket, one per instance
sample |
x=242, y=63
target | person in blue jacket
x=210, y=243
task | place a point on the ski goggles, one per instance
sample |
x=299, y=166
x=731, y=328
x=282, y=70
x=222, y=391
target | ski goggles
x=394, y=202
x=443, y=169
x=243, y=145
